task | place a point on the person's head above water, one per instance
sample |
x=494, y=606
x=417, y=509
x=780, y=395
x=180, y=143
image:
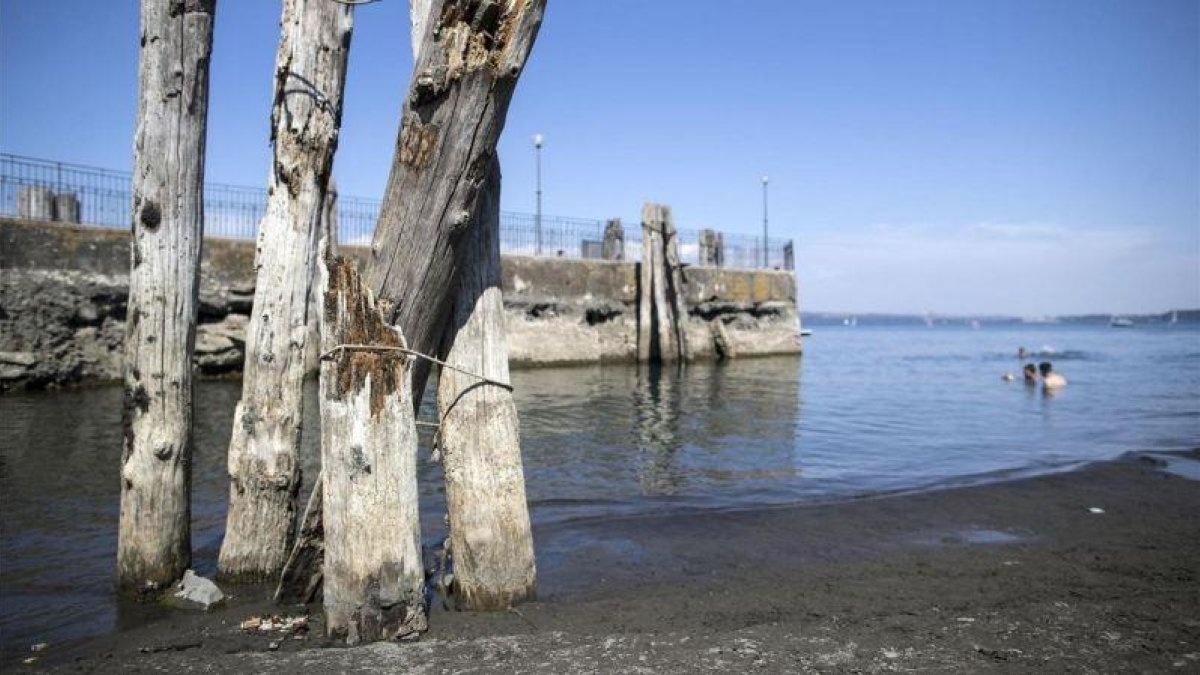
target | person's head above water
x=1045, y=368
x=1030, y=371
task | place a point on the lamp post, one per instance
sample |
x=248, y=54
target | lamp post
x=538, y=140
x=765, y=261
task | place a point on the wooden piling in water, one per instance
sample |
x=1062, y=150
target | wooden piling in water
x=662, y=315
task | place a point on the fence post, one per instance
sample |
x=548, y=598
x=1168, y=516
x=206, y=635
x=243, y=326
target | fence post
x=614, y=240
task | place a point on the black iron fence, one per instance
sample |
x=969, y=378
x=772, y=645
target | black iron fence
x=73, y=193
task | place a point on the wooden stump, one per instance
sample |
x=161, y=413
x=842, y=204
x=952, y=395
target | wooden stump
x=614, y=240
x=374, y=582
x=491, y=541
x=264, y=469
x=154, y=536
x=712, y=248
x=35, y=202
x=662, y=334
x=66, y=207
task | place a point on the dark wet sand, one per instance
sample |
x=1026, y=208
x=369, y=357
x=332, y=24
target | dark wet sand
x=1016, y=577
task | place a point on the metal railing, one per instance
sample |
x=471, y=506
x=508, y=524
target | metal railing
x=90, y=196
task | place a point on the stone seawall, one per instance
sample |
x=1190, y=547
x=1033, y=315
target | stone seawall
x=63, y=291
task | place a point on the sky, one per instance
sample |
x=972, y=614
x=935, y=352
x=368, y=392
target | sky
x=1023, y=157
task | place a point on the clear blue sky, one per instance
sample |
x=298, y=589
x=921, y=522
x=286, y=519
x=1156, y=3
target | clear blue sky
x=1025, y=157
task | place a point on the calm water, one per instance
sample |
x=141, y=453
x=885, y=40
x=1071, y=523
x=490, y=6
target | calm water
x=866, y=410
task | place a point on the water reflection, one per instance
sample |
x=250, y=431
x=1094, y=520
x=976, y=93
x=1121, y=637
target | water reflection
x=656, y=434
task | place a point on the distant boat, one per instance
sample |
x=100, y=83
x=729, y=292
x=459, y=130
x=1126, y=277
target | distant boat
x=805, y=332
x=1120, y=322
x=852, y=321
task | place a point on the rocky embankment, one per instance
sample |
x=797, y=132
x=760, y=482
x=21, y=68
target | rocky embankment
x=67, y=327
x=63, y=297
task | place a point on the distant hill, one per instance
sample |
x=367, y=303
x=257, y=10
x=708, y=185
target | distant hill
x=812, y=319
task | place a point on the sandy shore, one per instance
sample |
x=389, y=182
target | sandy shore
x=1017, y=576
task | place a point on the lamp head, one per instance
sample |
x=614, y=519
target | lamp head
x=538, y=139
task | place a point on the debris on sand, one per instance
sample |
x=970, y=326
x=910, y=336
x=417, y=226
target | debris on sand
x=275, y=624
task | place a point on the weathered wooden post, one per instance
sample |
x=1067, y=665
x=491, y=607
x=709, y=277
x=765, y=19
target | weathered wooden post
x=35, y=202
x=491, y=541
x=662, y=334
x=374, y=581
x=471, y=54
x=154, y=536
x=66, y=207
x=708, y=247
x=264, y=471
x=614, y=240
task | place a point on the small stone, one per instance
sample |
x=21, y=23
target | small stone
x=38, y=647
x=274, y=645
x=197, y=590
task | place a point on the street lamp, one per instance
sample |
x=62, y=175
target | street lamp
x=765, y=260
x=538, y=140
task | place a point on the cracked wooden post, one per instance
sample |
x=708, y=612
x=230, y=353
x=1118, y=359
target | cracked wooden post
x=471, y=54
x=374, y=580
x=491, y=541
x=154, y=535
x=264, y=467
x=662, y=316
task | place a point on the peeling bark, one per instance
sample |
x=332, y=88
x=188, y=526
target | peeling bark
x=470, y=57
x=374, y=581
x=154, y=535
x=471, y=54
x=264, y=470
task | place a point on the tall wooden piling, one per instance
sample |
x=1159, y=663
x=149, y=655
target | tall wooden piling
x=154, y=536
x=470, y=57
x=491, y=540
x=264, y=469
x=662, y=315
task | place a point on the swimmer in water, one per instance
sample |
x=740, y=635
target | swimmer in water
x=1051, y=379
x=1022, y=353
x=1031, y=374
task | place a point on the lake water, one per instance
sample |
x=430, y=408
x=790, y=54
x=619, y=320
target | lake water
x=867, y=410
